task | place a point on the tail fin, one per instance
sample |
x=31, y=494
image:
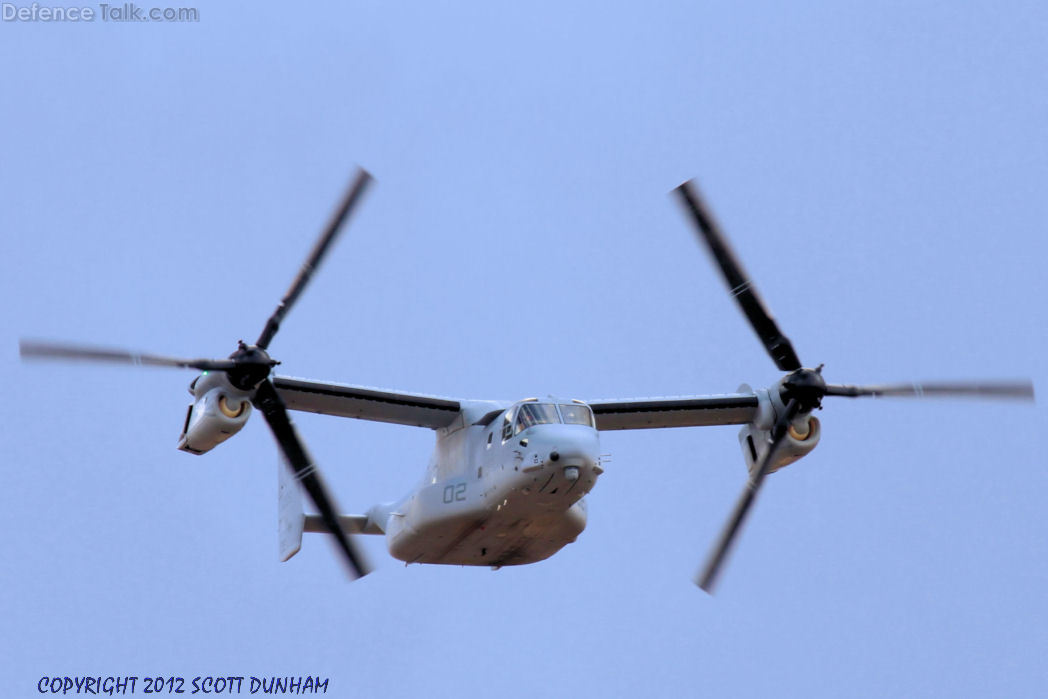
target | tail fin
x=290, y=518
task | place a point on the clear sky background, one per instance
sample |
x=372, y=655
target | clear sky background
x=880, y=167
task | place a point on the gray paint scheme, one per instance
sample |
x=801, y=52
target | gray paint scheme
x=367, y=403
x=434, y=412
x=678, y=411
x=489, y=496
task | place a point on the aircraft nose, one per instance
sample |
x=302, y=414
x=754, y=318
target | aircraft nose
x=570, y=447
x=562, y=464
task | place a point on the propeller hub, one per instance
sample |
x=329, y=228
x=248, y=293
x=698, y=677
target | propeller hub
x=806, y=386
x=252, y=366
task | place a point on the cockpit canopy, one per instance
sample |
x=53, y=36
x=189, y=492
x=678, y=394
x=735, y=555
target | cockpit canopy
x=535, y=413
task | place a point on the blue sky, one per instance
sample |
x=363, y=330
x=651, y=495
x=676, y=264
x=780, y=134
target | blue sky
x=879, y=167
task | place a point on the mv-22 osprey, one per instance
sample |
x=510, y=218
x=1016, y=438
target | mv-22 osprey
x=506, y=481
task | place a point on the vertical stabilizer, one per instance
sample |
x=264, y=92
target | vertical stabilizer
x=290, y=518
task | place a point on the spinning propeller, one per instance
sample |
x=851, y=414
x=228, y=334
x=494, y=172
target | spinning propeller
x=248, y=369
x=802, y=390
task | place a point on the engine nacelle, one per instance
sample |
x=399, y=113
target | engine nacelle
x=796, y=443
x=755, y=438
x=217, y=412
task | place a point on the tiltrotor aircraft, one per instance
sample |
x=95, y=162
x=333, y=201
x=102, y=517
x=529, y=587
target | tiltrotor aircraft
x=506, y=481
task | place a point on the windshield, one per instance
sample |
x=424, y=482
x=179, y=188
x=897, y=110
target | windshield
x=535, y=414
x=575, y=414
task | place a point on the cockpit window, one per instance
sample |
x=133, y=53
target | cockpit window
x=575, y=414
x=535, y=414
x=507, y=425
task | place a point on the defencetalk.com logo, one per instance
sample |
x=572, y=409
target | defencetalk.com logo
x=105, y=12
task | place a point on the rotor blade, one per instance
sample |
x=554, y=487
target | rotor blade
x=269, y=402
x=707, y=578
x=1010, y=390
x=316, y=255
x=739, y=285
x=33, y=349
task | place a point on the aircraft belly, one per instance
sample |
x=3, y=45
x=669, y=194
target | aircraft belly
x=482, y=537
x=517, y=513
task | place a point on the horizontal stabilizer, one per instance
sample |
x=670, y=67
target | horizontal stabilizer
x=351, y=524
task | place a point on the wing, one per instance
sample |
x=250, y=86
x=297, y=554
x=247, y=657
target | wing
x=367, y=403
x=677, y=411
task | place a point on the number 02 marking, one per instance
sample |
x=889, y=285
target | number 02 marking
x=454, y=492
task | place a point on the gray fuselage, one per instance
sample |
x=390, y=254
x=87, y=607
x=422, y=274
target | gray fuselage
x=503, y=492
